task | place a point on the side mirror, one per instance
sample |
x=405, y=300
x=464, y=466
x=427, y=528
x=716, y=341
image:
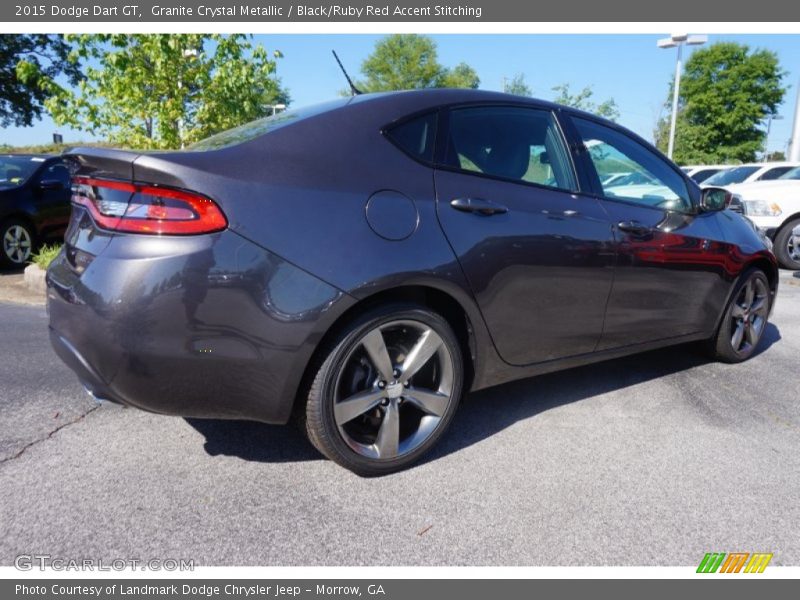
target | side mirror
x=713, y=199
x=51, y=184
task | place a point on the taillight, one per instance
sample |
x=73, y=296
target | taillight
x=135, y=208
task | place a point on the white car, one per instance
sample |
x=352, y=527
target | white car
x=610, y=178
x=774, y=206
x=702, y=172
x=749, y=173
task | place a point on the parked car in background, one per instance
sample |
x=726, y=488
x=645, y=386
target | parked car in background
x=774, y=206
x=610, y=178
x=34, y=204
x=749, y=173
x=455, y=240
x=702, y=172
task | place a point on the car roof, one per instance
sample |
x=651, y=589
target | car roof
x=443, y=96
x=771, y=165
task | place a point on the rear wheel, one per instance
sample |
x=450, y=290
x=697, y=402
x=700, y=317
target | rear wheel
x=16, y=243
x=745, y=319
x=787, y=246
x=386, y=390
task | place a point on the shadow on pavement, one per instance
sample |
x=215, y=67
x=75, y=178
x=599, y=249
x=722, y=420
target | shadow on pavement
x=481, y=414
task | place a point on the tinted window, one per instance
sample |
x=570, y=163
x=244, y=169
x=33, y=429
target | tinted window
x=731, y=176
x=57, y=172
x=259, y=127
x=793, y=174
x=652, y=180
x=704, y=174
x=774, y=173
x=518, y=144
x=15, y=170
x=416, y=137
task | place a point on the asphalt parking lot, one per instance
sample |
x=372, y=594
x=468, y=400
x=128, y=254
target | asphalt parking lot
x=650, y=460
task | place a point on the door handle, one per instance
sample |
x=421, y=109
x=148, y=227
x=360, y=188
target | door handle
x=478, y=205
x=634, y=227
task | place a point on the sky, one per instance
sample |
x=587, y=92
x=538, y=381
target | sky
x=628, y=68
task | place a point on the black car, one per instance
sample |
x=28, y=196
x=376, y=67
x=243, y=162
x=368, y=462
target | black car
x=34, y=204
x=362, y=264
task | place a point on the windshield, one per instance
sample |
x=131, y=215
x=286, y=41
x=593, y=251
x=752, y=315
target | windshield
x=16, y=170
x=793, y=174
x=735, y=175
x=254, y=129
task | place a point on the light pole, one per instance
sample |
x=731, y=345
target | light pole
x=794, y=148
x=770, y=119
x=187, y=53
x=678, y=40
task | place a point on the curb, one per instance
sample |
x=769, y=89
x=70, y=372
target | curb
x=35, y=279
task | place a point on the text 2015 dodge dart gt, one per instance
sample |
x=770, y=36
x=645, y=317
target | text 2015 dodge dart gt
x=364, y=263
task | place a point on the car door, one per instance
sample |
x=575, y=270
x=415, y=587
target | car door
x=52, y=198
x=537, y=253
x=669, y=279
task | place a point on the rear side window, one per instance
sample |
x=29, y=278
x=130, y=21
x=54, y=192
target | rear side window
x=774, y=173
x=509, y=142
x=57, y=172
x=416, y=137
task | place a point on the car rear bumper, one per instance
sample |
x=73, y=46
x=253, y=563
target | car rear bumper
x=202, y=326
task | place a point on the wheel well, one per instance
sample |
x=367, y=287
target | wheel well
x=769, y=270
x=21, y=217
x=786, y=223
x=436, y=300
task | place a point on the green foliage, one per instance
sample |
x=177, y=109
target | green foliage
x=29, y=65
x=49, y=148
x=518, y=86
x=167, y=90
x=776, y=156
x=45, y=255
x=409, y=62
x=583, y=101
x=460, y=76
x=726, y=93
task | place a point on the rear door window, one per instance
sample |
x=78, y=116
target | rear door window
x=774, y=173
x=517, y=144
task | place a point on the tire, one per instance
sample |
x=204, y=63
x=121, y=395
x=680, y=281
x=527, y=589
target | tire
x=745, y=319
x=385, y=389
x=787, y=246
x=17, y=243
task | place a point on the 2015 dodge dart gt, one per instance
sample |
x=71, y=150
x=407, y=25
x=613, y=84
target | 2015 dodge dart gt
x=364, y=263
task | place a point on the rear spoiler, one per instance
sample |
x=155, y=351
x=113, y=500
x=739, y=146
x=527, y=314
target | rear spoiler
x=108, y=163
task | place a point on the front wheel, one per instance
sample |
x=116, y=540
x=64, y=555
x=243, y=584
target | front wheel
x=386, y=390
x=745, y=319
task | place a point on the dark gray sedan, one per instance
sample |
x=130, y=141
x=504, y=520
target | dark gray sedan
x=362, y=264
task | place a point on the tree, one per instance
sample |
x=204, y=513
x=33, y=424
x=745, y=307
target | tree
x=518, y=86
x=29, y=67
x=776, y=156
x=583, y=101
x=727, y=92
x=409, y=62
x=460, y=76
x=167, y=90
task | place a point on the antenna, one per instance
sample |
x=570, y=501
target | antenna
x=353, y=88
